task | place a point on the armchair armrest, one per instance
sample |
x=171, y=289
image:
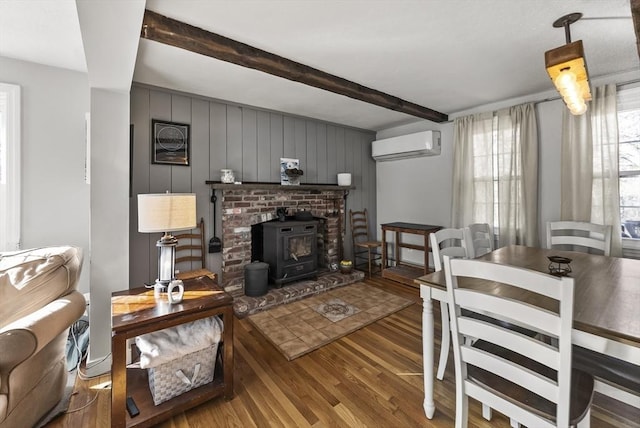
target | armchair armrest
x=28, y=335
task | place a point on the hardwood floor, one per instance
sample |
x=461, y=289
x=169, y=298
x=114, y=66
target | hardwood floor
x=372, y=377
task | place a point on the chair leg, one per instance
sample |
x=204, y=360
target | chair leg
x=586, y=421
x=446, y=340
x=462, y=409
x=486, y=412
x=369, y=258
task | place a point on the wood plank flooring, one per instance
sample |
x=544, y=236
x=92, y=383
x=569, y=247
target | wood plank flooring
x=370, y=378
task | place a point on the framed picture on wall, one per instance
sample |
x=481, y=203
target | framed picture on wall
x=171, y=142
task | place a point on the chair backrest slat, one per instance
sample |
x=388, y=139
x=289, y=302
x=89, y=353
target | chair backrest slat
x=447, y=242
x=583, y=235
x=479, y=239
x=191, y=246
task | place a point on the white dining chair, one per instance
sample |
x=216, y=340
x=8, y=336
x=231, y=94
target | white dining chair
x=478, y=239
x=526, y=379
x=579, y=235
x=446, y=242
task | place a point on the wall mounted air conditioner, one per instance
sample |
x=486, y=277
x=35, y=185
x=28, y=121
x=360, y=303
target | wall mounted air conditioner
x=425, y=143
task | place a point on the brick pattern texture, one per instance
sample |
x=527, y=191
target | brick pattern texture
x=244, y=207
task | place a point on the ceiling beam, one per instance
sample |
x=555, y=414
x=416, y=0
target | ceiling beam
x=635, y=14
x=166, y=30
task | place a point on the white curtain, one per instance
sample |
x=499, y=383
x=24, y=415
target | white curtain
x=472, y=170
x=495, y=176
x=590, y=176
x=518, y=175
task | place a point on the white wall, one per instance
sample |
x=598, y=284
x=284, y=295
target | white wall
x=416, y=190
x=109, y=215
x=55, y=197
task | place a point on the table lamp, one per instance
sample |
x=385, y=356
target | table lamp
x=166, y=212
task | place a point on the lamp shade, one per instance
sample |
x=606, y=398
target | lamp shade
x=164, y=212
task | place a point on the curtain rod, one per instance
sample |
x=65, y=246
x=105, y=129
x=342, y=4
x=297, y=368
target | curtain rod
x=618, y=85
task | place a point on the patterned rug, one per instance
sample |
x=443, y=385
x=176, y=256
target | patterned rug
x=246, y=305
x=305, y=325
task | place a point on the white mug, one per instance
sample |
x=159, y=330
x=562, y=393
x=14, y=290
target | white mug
x=177, y=297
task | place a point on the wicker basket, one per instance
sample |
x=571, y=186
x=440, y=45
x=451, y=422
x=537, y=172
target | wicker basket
x=182, y=374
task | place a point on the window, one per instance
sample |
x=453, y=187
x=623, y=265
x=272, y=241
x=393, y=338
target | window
x=9, y=167
x=491, y=183
x=629, y=161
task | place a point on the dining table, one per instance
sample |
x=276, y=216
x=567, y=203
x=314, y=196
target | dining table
x=606, y=315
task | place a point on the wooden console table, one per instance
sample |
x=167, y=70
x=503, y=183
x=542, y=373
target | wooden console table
x=135, y=312
x=404, y=272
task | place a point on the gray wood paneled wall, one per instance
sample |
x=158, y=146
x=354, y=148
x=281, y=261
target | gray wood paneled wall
x=248, y=140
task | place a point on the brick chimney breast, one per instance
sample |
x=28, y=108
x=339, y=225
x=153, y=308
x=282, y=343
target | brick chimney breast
x=244, y=207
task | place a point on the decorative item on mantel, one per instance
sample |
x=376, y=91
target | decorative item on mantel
x=226, y=176
x=344, y=179
x=290, y=172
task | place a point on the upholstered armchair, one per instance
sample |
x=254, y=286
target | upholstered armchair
x=38, y=304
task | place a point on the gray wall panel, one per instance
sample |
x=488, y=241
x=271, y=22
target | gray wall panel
x=321, y=153
x=249, y=141
x=234, y=140
x=249, y=145
x=217, y=139
x=277, y=145
x=289, y=140
x=300, y=137
x=180, y=174
x=264, y=147
x=310, y=167
x=200, y=164
x=332, y=155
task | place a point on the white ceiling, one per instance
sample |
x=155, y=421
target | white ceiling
x=448, y=55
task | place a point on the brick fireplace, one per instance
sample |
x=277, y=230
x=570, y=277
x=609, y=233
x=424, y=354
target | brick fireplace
x=246, y=204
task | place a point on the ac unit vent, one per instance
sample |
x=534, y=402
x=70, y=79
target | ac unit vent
x=425, y=143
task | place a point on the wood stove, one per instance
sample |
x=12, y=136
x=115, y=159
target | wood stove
x=289, y=247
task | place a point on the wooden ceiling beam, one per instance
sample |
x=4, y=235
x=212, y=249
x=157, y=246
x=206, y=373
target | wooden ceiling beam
x=635, y=14
x=169, y=31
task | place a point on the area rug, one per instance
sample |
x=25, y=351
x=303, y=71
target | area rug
x=246, y=305
x=305, y=325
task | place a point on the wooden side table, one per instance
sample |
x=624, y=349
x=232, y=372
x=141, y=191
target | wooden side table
x=135, y=312
x=404, y=272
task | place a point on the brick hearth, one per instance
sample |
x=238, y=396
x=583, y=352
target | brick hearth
x=243, y=207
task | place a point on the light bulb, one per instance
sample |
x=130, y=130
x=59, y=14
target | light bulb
x=578, y=109
x=565, y=80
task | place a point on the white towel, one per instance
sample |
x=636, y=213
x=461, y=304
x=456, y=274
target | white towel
x=166, y=345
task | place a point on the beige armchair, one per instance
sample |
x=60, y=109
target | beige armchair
x=38, y=304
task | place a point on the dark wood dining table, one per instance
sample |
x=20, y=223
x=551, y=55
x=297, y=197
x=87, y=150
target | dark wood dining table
x=606, y=303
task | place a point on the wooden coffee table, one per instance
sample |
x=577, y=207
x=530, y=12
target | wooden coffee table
x=135, y=312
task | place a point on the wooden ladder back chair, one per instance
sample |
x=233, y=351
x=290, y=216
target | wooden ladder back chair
x=445, y=242
x=364, y=248
x=479, y=239
x=191, y=249
x=580, y=234
x=522, y=377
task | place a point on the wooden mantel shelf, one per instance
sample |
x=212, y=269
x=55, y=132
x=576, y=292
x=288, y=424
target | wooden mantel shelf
x=251, y=185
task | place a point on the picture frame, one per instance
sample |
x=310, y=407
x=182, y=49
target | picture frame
x=170, y=143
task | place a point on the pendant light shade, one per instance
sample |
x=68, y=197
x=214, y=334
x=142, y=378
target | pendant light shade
x=567, y=68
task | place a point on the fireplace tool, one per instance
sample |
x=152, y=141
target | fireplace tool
x=215, y=244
